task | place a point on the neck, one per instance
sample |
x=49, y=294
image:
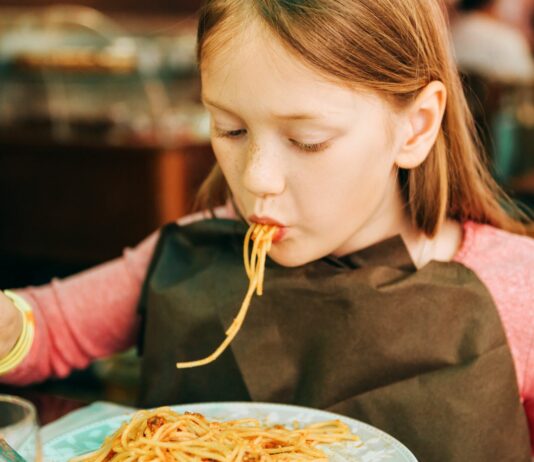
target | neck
x=391, y=219
x=442, y=247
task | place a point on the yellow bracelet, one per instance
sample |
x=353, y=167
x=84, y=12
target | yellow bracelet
x=25, y=340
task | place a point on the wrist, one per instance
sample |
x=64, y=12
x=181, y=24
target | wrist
x=11, y=324
x=18, y=348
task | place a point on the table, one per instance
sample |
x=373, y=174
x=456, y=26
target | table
x=49, y=407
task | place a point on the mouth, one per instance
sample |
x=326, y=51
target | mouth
x=279, y=235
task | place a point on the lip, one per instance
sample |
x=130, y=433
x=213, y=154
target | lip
x=270, y=221
x=265, y=221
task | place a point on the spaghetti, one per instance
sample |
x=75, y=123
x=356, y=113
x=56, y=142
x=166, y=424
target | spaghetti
x=165, y=435
x=262, y=235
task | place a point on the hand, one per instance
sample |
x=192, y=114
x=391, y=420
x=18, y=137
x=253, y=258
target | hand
x=10, y=325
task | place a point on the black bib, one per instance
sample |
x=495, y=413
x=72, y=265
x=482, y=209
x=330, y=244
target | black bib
x=420, y=354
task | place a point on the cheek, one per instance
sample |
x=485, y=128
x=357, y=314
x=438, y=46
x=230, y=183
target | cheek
x=228, y=160
x=348, y=174
x=344, y=188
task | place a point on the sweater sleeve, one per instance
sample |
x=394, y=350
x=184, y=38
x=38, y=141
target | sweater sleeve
x=86, y=316
x=504, y=262
x=90, y=315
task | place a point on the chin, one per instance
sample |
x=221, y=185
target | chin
x=285, y=256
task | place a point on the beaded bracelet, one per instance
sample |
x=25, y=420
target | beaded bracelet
x=24, y=342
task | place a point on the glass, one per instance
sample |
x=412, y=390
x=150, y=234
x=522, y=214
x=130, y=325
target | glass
x=19, y=426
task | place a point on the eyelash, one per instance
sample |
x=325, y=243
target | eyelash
x=306, y=147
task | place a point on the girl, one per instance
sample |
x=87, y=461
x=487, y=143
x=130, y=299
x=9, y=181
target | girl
x=398, y=290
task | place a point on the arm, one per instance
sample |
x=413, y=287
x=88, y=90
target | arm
x=10, y=325
x=505, y=264
x=528, y=388
x=80, y=318
x=86, y=316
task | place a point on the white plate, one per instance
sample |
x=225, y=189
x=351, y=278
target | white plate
x=375, y=445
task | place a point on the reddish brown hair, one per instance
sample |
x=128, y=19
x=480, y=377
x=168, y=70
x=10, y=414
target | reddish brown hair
x=393, y=48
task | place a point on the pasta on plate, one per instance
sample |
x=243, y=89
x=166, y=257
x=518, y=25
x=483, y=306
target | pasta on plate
x=165, y=435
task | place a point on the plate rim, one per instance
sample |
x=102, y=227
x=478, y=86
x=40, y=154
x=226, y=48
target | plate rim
x=404, y=450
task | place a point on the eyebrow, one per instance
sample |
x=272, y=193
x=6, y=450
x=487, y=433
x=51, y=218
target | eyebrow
x=296, y=116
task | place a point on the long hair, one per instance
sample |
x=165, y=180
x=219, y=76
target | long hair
x=393, y=48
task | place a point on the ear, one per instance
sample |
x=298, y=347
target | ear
x=422, y=122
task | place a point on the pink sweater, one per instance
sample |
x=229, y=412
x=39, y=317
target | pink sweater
x=93, y=314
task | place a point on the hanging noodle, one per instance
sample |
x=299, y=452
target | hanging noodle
x=164, y=435
x=254, y=267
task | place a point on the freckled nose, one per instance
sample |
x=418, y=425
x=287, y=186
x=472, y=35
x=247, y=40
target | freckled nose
x=263, y=174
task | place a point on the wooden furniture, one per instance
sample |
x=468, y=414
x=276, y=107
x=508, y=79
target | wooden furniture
x=79, y=204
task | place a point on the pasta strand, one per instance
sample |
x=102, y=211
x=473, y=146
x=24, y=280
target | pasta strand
x=255, y=269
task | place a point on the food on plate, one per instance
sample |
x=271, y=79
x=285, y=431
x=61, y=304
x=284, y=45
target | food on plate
x=165, y=435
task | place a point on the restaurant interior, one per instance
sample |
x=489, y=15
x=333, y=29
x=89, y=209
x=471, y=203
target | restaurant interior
x=103, y=140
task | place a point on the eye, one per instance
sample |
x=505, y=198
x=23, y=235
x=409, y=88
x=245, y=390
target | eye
x=229, y=133
x=310, y=147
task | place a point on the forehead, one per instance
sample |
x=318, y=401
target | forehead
x=254, y=70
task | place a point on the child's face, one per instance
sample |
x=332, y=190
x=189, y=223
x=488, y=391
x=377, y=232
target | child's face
x=313, y=155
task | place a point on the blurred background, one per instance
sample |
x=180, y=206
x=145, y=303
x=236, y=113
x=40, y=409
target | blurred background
x=103, y=138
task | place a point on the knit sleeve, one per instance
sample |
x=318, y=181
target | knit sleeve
x=504, y=262
x=86, y=316
x=90, y=315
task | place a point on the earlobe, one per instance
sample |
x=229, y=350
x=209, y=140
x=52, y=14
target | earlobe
x=423, y=122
